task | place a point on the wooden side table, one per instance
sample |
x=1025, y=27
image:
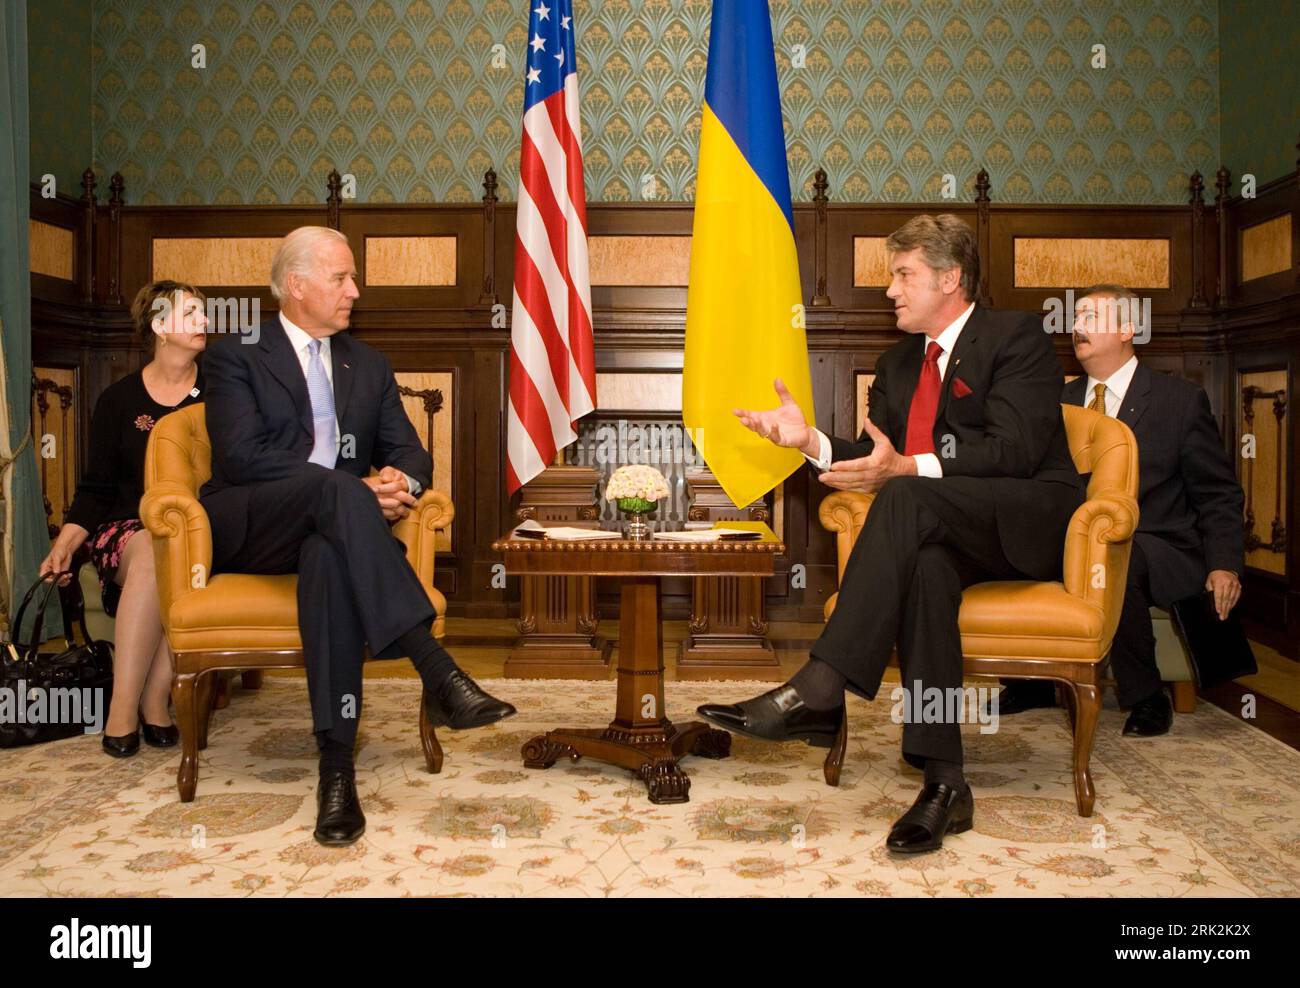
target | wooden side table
x=641, y=737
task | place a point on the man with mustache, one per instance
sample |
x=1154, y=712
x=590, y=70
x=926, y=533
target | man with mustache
x=966, y=449
x=1189, y=533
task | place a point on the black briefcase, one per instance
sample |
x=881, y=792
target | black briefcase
x=1218, y=649
x=46, y=696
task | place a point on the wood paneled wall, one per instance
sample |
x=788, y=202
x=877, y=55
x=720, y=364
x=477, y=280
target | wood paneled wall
x=436, y=291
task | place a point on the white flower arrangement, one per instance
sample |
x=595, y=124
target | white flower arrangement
x=636, y=488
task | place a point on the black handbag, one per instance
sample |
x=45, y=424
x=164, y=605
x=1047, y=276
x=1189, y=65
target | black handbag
x=47, y=696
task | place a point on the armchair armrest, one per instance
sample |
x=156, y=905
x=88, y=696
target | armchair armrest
x=1098, y=543
x=182, y=542
x=433, y=512
x=844, y=513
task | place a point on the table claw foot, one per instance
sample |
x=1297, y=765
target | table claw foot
x=712, y=744
x=666, y=782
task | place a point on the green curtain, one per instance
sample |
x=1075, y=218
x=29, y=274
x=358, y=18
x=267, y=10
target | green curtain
x=30, y=540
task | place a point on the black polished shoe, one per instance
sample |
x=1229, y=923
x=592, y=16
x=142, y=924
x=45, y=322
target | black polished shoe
x=339, y=820
x=1020, y=695
x=460, y=704
x=939, y=810
x=777, y=715
x=122, y=746
x=1150, y=717
x=160, y=737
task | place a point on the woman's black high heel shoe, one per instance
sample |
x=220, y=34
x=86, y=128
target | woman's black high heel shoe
x=122, y=746
x=160, y=737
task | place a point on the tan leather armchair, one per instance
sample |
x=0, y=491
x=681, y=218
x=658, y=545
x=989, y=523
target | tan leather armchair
x=1056, y=631
x=236, y=620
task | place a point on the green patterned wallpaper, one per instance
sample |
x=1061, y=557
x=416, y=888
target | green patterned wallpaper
x=58, y=96
x=1260, y=87
x=889, y=96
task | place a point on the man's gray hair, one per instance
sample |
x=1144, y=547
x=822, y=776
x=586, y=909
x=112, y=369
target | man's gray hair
x=298, y=254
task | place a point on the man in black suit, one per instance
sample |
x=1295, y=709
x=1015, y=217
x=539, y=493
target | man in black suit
x=966, y=449
x=298, y=413
x=1189, y=534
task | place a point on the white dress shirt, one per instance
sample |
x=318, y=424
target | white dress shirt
x=1116, y=387
x=300, y=340
x=927, y=464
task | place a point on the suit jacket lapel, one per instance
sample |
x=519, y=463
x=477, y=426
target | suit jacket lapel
x=1073, y=394
x=1137, y=398
x=283, y=364
x=342, y=359
x=965, y=346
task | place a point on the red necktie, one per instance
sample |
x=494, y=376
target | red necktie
x=925, y=405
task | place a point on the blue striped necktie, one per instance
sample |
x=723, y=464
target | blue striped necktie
x=325, y=450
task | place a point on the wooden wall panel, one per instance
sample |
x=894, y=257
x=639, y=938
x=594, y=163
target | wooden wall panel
x=1077, y=262
x=410, y=261
x=51, y=250
x=640, y=392
x=1266, y=248
x=870, y=262
x=633, y=260
x=214, y=261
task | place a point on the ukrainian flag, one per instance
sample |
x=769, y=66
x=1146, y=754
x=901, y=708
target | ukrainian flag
x=744, y=319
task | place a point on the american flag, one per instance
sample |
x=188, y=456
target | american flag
x=552, y=355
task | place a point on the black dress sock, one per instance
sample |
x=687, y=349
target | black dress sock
x=433, y=662
x=939, y=770
x=819, y=684
x=335, y=755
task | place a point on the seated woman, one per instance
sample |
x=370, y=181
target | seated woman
x=171, y=321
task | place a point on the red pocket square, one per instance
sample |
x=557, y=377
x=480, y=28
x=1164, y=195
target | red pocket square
x=960, y=389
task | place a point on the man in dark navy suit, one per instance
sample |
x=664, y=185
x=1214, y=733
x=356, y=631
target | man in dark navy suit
x=1189, y=534
x=298, y=413
x=966, y=448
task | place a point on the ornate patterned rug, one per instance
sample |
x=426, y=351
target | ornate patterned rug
x=1212, y=809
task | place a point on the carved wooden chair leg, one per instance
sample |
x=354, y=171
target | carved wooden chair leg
x=221, y=690
x=1185, y=697
x=204, y=703
x=1087, y=703
x=251, y=679
x=429, y=742
x=835, y=757
x=187, y=719
x=1065, y=697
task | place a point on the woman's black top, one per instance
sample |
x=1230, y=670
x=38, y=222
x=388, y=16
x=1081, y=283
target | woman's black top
x=113, y=482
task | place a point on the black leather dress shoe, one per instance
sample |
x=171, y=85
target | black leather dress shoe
x=460, y=704
x=1020, y=695
x=1150, y=717
x=778, y=715
x=939, y=810
x=160, y=737
x=339, y=820
x=122, y=746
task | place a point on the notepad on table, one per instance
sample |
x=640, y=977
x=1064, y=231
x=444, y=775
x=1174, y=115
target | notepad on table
x=709, y=535
x=535, y=530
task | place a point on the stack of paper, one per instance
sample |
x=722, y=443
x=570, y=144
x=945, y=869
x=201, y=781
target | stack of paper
x=709, y=535
x=534, y=530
